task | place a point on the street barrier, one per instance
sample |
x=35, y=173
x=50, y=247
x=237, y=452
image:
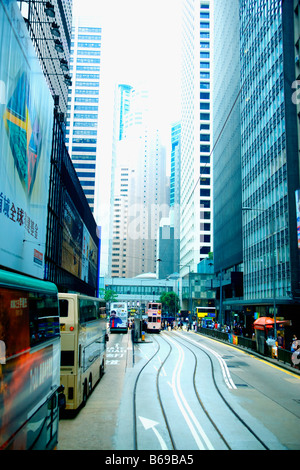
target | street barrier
x=247, y=343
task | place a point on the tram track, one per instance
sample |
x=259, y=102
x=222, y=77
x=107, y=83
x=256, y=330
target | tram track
x=237, y=416
x=199, y=434
x=135, y=420
x=192, y=420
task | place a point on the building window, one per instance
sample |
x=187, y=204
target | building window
x=204, y=192
x=204, y=159
x=204, y=116
x=205, y=170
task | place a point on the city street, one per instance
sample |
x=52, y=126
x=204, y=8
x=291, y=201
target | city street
x=183, y=391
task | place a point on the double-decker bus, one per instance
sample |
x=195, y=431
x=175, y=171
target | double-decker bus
x=205, y=316
x=29, y=363
x=118, y=321
x=154, y=317
x=83, y=346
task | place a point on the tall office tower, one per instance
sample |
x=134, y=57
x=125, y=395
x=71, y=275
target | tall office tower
x=227, y=186
x=49, y=25
x=148, y=203
x=175, y=164
x=268, y=163
x=291, y=43
x=196, y=174
x=119, y=224
x=169, y=231
x=83, y=103
x=140, y=187
x=122, y=100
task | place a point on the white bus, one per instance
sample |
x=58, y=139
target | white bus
x=118, y=317
x=83, y=346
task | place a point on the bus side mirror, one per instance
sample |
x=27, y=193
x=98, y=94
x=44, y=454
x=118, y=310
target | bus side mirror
x=106, y=337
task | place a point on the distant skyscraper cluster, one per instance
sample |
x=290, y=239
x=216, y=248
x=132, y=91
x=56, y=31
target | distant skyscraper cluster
x=234, y=161
x=140, y=191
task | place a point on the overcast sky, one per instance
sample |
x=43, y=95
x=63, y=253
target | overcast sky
x=140, y=46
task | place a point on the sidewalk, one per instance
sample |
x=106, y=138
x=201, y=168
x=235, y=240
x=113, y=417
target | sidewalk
x=275, y=361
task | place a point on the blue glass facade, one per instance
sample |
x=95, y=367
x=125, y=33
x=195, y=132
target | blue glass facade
x=267, y=269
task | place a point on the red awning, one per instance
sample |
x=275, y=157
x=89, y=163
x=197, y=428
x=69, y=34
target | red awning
x=266, y=322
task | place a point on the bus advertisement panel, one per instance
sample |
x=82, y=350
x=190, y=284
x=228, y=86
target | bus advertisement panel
x=118, y=317
x=29, y=372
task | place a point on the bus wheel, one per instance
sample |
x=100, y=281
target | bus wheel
x=90, y=384
x=85, y=395
x=102, y=370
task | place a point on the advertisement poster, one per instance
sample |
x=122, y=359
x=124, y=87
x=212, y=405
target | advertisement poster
x=118, y=315
x=79, y=251
x=26, y=120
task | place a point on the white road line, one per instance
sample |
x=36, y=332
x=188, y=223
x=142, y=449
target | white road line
x=226, y=374
x=184, y=407
x=150, y=424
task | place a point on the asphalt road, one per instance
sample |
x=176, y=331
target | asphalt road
x=186, y=392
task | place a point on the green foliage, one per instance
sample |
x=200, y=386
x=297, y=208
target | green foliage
x=170, y=302
x=108, y=295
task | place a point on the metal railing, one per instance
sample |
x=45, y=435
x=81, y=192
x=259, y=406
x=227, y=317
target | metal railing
x=247, y=343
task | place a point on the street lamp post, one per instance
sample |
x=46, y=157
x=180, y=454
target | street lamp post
x=272, y=227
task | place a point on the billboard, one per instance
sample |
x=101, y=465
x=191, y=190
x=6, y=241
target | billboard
x=79, y=251
x=26, y=120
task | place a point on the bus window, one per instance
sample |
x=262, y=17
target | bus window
x=88, y=311
x=43, y=317
x=63, y=307
x=67, y=358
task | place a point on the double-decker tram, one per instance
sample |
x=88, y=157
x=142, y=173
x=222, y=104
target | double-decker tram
x=118, y=321
x=154, y=317
x=29, y=363
x=83, y=346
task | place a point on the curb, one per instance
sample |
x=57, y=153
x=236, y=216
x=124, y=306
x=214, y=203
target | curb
x=276, y=362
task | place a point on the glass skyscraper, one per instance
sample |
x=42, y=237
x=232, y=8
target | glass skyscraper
x=175, y=164
x=227, y=188
x=83, y=104
x=196, y=165
x=268, y=195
